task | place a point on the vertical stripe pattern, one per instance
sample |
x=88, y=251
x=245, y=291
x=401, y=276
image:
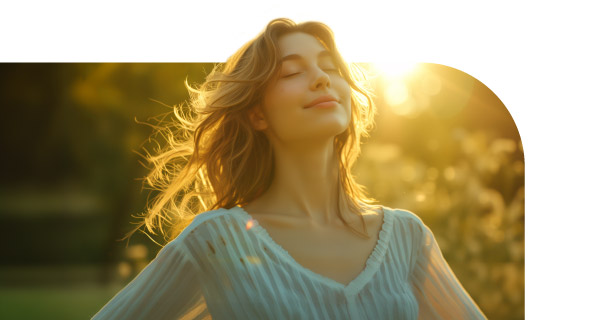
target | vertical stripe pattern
x=219, y=269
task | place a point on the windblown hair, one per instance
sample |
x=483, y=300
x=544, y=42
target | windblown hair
x=215, y=159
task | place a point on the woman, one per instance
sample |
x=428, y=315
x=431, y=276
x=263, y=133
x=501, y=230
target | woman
x=265, y=153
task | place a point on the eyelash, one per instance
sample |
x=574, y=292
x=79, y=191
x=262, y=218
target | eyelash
x=291, y=74
x=295, y=73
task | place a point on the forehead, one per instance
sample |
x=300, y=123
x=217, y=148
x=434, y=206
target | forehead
x=299, y=43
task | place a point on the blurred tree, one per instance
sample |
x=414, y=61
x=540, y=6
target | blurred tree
x=446, y=149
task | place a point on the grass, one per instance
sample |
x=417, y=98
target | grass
x=54, y=302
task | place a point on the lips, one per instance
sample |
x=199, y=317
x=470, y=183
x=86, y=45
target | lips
x=321, y=99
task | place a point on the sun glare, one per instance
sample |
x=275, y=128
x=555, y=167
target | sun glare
x=407, y=87
x=396, y=93
x=395, y=69
x=395, y=76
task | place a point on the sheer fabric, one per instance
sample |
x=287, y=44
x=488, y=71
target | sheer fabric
x=439, y=293
x=165, y=289
x=226, y=266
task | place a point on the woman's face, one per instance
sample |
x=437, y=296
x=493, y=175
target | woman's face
x=309, y=100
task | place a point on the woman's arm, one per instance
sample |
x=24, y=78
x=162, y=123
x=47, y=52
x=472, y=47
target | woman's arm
x=439, y=293
x=166, y=289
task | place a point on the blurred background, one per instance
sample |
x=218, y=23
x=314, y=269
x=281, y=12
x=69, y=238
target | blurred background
x=444, y=147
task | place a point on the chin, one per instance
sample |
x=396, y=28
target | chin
x=333, y=131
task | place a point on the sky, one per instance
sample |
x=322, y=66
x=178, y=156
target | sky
x=539, y=58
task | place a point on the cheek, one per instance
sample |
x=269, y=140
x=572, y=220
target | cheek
x=343, y=89
x=283, y=106
x=283, y=96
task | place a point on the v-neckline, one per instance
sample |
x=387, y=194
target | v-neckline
x=372, y=263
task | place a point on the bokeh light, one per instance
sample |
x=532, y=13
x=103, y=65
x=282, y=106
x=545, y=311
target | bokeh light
x=392, y=70
x=444, y=147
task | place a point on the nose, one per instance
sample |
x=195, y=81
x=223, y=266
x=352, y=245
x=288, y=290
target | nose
x=321, y=81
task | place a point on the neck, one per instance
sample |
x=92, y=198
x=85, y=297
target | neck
x=305, y=184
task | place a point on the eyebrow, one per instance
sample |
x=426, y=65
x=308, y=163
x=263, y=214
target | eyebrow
x=322, y=54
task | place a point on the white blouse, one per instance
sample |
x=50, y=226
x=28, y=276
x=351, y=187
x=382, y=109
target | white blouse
x=223, y=266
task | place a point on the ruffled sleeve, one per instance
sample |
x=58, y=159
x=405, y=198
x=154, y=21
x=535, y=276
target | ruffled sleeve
x=437, y=290
x=166, y=289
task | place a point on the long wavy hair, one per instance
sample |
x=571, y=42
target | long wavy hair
x=214, y=158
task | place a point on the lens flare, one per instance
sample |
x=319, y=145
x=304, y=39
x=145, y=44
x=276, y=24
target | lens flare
x=396, y=93
x=395, y=69
x=251, y=223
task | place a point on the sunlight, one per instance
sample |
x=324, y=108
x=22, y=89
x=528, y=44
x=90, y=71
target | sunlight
x=253, y=260
x=396, y=93
x=399, y=95
x=395, y=69
x=250, y=224
x=409, y=108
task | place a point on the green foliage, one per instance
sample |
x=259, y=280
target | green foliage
x=474, y=205
x=457, y=163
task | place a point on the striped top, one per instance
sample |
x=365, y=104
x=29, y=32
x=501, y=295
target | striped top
x=223, y=267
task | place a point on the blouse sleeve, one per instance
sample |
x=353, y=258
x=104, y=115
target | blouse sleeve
x=167, y=288
x=437, y=290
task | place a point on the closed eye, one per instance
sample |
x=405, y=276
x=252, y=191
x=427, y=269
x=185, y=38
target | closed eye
x=291, y=75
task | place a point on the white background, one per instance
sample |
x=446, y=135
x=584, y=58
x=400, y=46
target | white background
x=541, y=59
